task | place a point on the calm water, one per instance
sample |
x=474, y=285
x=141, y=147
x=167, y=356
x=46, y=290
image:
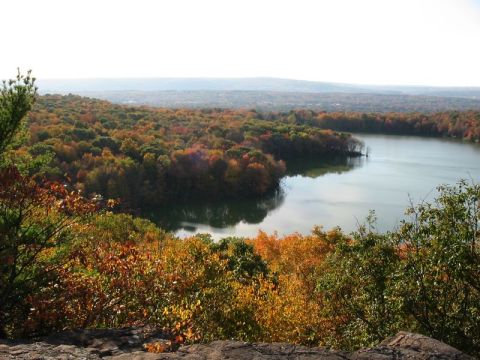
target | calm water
x=338, y=192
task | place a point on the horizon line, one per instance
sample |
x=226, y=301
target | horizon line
x=109, y=78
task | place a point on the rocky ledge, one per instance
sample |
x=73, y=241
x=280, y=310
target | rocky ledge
x=122, y=344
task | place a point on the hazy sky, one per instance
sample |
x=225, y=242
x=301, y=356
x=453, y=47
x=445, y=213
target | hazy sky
x=429, y=42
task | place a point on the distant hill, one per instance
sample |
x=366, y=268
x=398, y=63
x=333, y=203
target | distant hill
x=248, y=84
x=268, y=94
x=284, y=101
x=195, y=84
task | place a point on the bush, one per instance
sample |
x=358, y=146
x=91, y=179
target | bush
x=34, y=227
x=439, y=277
x=424, y=277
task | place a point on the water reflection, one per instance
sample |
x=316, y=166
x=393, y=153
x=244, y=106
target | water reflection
x=228, y=213
x=313, y=168
x=217, y=214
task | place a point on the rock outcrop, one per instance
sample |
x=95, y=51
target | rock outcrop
x=123, y=344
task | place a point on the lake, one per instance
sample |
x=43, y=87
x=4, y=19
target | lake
x=337, y=192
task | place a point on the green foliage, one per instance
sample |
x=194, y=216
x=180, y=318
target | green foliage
x=241, y=258
x=16, y=99
x=357, y=284
x=439, y=277
x=423, y=277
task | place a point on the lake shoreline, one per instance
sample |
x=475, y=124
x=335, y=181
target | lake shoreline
x=341, y=193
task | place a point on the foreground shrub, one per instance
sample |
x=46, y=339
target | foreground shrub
x=439, y=277
x=35, y=226
x=423, y=277
x=356, y=285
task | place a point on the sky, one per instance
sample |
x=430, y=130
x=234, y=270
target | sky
x=401, y=42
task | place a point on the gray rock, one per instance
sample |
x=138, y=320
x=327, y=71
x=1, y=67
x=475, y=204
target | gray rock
x=45, y=351
x=123, y=344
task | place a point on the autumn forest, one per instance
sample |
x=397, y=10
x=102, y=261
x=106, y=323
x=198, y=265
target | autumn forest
x=73, y=252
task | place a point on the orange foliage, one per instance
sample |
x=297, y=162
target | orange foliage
x=295, y=254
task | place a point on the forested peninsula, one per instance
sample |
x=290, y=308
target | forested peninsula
x=152, y=156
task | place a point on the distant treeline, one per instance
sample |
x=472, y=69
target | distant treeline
x=456, y=124
x=146, y=156
x=287, y=100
